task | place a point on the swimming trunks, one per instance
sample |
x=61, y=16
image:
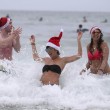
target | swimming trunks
x=53, y=68
x=95, y=56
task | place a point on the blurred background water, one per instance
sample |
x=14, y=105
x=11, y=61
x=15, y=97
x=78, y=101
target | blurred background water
x=21, y=88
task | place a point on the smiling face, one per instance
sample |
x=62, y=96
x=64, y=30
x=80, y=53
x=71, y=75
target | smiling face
x=53, y=53
x=96, y=35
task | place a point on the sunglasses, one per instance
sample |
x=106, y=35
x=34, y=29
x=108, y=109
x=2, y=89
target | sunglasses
x=48, y=49
x=96, y=32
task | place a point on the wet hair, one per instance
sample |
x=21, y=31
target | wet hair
x=99, y=43
x=55, y=49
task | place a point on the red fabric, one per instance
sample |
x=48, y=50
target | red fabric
x=3, y=21
x=56, y=40
x=95, y=56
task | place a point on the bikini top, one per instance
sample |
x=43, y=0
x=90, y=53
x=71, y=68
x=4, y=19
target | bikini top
x=53, y=68
x=97, y=55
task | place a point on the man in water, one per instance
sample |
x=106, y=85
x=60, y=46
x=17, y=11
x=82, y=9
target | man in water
x=9, y=39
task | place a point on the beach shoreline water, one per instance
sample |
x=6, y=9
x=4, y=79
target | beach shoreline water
x=22, y=89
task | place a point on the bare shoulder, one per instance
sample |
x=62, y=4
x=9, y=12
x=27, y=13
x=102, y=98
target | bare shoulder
x=46, y=59
x=104, y=44
x=64, y=58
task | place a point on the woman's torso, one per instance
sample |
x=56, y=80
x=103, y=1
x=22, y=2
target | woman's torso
x=95, y=65
x=96, y=58
x=52, y=71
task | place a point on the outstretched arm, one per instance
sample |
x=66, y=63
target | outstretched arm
x=34, y=50
x=79, y=44
x=79, y=54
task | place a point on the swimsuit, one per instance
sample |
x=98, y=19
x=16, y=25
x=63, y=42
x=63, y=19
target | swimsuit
x=97, y=55
x=53, y=68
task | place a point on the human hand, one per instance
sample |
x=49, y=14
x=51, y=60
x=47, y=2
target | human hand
x=79, y=35
x=32, y=39
x=16, y=33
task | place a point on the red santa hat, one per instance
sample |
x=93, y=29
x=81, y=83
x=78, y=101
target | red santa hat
x=4, y=22
x=55, y=41
x=94, y=28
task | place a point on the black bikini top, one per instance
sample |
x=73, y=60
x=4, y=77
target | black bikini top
x=54, y=68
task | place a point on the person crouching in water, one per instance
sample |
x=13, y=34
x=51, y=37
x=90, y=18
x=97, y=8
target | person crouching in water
x=54, y=64
x=98, y=53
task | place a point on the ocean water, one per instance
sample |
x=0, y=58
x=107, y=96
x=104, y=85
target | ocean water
x=20, y=88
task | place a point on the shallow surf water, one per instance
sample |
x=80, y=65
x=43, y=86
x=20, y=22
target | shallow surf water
x=21, y=89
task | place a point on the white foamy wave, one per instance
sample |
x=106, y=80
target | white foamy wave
x=75, y=91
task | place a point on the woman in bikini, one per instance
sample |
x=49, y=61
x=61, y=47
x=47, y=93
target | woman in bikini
x=54, y=64
x=98, y=53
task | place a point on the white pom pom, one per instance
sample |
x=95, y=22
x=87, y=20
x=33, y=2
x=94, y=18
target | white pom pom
x=61, y=30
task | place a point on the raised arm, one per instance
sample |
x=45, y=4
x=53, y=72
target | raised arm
x=79, y=54
x=79, y=45
x=34, y=50
x=16, y=41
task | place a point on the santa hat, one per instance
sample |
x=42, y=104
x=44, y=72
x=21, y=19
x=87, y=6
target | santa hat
x=93, y=29
x=4, y=22
x=55, y=41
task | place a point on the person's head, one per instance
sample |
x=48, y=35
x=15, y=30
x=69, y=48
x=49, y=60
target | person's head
x=5, y=24
x=52, y=52
x=97, y=36
x=53, y=46
x=96, y=33
x=80, y=25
